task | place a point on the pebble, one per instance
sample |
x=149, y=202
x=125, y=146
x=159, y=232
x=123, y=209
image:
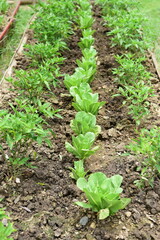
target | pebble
x=93, y=225
x=57, y=233
x=84, y=220
x=128, y=214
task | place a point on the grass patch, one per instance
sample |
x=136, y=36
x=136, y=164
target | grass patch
x=151, y=9
x=13, y=38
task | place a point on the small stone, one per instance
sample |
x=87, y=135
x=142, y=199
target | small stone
x=58, y=233
x=18, y=180
x=128, y=214
x=112, y=132
x=83, y=221
x=93, y=225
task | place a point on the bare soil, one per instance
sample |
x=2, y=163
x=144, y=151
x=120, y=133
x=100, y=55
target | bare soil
x=42, y=204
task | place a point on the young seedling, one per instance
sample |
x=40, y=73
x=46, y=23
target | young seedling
x=103, y=194
x=87, y=102
x=78, y=170
x=82, y=145
x=85, y=122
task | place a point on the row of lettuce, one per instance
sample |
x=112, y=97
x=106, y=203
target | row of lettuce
x=102, y=193
x=125, y=23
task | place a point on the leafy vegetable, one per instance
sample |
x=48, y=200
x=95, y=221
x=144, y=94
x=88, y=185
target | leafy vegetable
x=82, y=144
x=78, y=170
x=103, y=194
x=87, y=102
x=85, y=122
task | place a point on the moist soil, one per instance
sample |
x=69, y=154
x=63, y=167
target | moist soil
x=41, y=200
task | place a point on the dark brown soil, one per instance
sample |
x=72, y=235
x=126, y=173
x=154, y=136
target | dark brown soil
x=42, y=204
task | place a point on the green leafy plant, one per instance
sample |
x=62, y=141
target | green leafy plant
x=87, y=102
x=82, y=144
x=136, y=98
x=84, y=5
x=3, y=6
x=78, y=170
x=88, y=65
x=80, y=90
x=41, y=52
x=86, y=20
x=103, y=194
x=54, y=23
x=89, y=53
x=86, y=42
x=19, y=131
x=80, y=76
x=130, y=70
x=32, y=84
x=5, y=230
x=147, y=148
x=39, y=107
x=85, y=122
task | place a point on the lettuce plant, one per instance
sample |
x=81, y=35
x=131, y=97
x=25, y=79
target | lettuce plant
x=80, y=90
x=103, y=194
x=88, y=65
x=87, y=102
x=86, y=21
x=82, y=145
x=89, y=53
x=78, y=170
x=80, y=76
x=85, y=122
x=86, y=42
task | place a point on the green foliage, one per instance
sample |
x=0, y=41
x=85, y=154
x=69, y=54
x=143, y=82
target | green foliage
x=38, y=107
x=80, y=76
x=136, y=98
x=127, y=30
x=103, y=194
x=41, y=52
x=53, y=23
x=32, y=84
x=3, y=6
x=130, y=70
x=147, y=149
x=82, y=144
x=87, y=102
x=126, y=24
x=86, y=42
x=5, y=230
x=85, y=122
x=78, y=170
x=135, y=85
x=19, y=131
x=1, y=20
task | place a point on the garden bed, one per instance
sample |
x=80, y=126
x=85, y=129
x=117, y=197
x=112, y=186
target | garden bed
x=42, y=202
